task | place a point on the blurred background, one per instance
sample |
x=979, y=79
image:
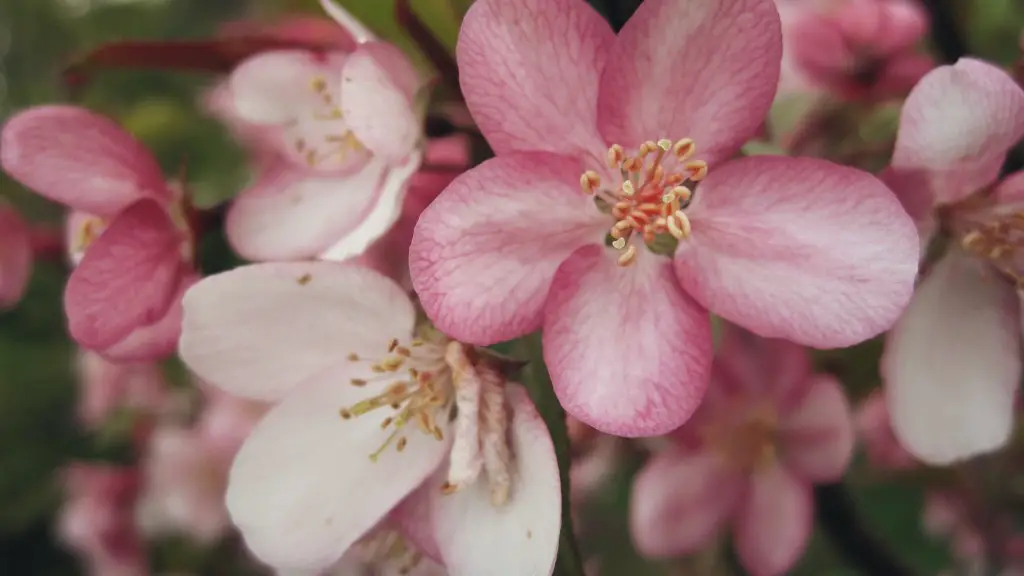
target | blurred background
x=39, y=433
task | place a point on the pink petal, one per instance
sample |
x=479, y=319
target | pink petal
x=127, y=278
x=291, y=215
x=413, y=518
x=704, y=70
x=774, y=523
x=376, y=99
x=957, y=125
x=952, y=363
x=484, y=253
x=817, y=435
x=798, y=248
x=156, y=341
x=259, y=330
x=1010, y=190
x=303, y=488
x=15, y=257
x=521, y=536
x=274, y=87
x=629, y=352
x=73, y=156
x=874, y=428
x=680, y=503
x=771, y=369
x=529, y=71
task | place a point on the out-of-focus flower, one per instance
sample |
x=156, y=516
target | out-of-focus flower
x=856, y=49
x=768, y=429
x=335, y=137
x=105, y=386
x=123, y=299
x=362, y=419
x=796, y=248
x=946, y=516
x=15, y=256
x=952, y=363
x=875, y=430
x=98, y=522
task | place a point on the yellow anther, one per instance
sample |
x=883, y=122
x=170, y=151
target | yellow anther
x=319, y=84
x=678, y=225
x=590, y=181
x=697, y=170
x=627, y=257
x=619, y=243
x=616, y=155
x=665, y=144
x=647, y=147
x=627, y=189
x=684, y=148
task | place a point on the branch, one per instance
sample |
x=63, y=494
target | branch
x=838, y=518
x=429, y=44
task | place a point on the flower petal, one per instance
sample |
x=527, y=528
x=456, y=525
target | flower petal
x=952, y=363
x=529, y=70
x=127, y=278
x=520, y=537
x=378, y=105
x=303, y=488
x=80, y=159
x=798, y=248
x=484, y=253
x=291, y=215
x=817, y=435
x=774, y=523
x=629, y=352
x=156, y=341
x=957, y=125
x=274, y=87
x=680, y=503
x=15, y=257
x=773, y=369
x=259, y=330
x=703, y=70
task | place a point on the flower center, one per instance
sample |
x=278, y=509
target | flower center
x=323, y=137
x=999, y=241
x=389, y=548
x=418, y=390
x=85, y=232
x=745, y=437
x=654, y=187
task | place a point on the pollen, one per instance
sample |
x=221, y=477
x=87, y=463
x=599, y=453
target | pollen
x=999, y=240
x=655, y=185
x=336, y=144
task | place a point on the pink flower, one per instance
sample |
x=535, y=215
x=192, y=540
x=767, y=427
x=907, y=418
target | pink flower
x=952, y=363
x=883, y=449
x=363, y=398
x=123, y=298
x=97, y=520
x=947, y=516
x=768, y=430
x=335, y=136
x=793, y=248
x=15, y=256
x=860, y=49
x=104, y=387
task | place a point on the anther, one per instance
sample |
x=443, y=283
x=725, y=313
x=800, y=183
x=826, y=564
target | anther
x=402, y=442
x=392, y=344
x=684, y=148
x=590, y=181
x=353, y=357
x=358, y=382
x=627, y=189
x=616, y=155
x=678, y=225
x=619, y=243
x=697, y=170
x=319, y=84
x=627, y=257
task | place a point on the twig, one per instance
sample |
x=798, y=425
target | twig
x=838, y=518
x=436, y=52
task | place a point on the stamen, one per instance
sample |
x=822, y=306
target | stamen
x=590, y=182
x=627, y=257
x=616, y=155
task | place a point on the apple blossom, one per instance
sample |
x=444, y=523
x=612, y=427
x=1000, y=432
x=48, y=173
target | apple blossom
x=123, y=298
x=363, y=417
x=795, y=248
x=768, y=429
x=105, y=386
x=952, y=363
x=15, y=256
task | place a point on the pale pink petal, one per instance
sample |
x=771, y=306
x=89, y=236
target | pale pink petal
x=816, y=437
x=1010, y=190
x=484, y=253
x=952, y=363
x=520, y=536
x=530, y=70
x=413, y=518
x=774, y=522
x=801, y=249
x=915, y=195
x=78, y=158
x=703, y=70
x=629, y=352
x=157, y=340
x=303, y=487
x=291, y=215
x=127, y=278
x=275, y=87
x=377, y=102
x=680, y=503
x=15, y=257
x=259, y=330
x=957, y=125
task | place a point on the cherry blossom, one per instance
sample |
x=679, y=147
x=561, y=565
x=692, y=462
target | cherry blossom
x=362, y=418
x=794, y=248
x=952, y=363
x=15, y=256
x=768, y=429
x=123, y=299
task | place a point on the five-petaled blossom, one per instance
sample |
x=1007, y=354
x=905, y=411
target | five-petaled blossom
x=124, y=298
x=370, y=405
x=768, y=429
x=952, y=363
x=335, y=134
x=795, y=248
x=15, y=256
